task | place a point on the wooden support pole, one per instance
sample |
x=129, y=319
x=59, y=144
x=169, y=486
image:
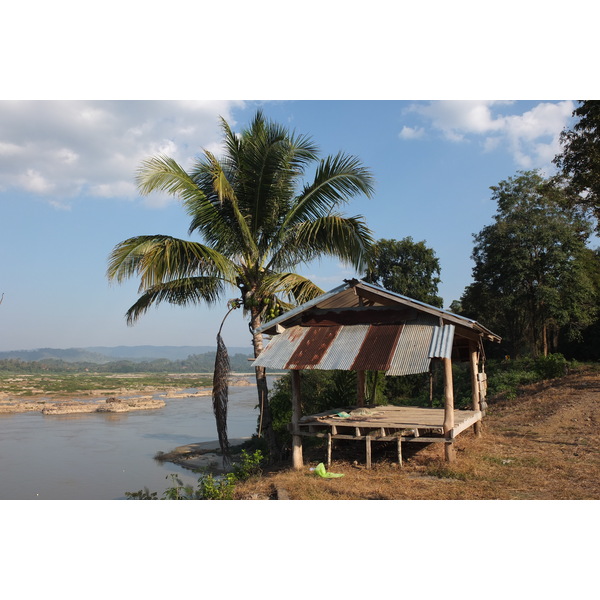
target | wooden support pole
x=448, y=408
x=431, y=385
x=360, y=388
x=399, y=452
x=368, y=450
x=329, y=449
x=297, y=461
x=474, y=364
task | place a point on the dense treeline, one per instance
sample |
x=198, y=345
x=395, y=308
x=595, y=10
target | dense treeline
x=195, y=363
x=536, y=281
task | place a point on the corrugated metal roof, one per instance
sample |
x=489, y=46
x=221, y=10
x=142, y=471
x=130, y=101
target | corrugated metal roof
x=377, y=349
x=279, y=350
x=412, y=351
x=341, y=355
x=441, y=342
x=395, y=349
x=309, y=352
x=348, y=329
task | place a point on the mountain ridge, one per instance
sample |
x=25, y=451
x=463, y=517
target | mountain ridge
x=104, y=354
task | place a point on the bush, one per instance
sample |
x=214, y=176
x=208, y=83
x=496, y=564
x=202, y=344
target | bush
x=551, y=366
x=210, y=487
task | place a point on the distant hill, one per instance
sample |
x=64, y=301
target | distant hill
x=106, y=354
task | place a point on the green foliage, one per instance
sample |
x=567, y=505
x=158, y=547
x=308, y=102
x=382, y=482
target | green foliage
x=209, y=487
x=531, y=275
x=250, y=465
x=144, y=494
x=506, y=376
x=551, y=366
x=579, y=161
x=212, y=488
x=408, y=268
x=409, y=390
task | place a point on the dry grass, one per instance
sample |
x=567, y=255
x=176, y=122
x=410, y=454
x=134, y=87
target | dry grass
x=543, y=445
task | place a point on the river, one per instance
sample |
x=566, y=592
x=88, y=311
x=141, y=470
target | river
x=100, y=456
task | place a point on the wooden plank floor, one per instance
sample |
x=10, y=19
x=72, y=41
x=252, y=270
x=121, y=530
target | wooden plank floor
x=394, y=417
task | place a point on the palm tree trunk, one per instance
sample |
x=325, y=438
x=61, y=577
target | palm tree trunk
x=265, y=427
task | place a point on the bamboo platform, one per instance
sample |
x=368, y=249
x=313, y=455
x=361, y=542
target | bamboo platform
x=385, y=424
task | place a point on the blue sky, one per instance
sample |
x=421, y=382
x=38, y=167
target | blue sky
x=67, y=196
x=75, y=124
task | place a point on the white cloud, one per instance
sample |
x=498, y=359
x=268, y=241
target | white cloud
x=532, y=137
x=64, y=149
x=411, y=133
x=34, y=181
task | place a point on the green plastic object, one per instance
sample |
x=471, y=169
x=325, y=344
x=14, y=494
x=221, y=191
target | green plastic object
x=343, y=414
x=320, y=470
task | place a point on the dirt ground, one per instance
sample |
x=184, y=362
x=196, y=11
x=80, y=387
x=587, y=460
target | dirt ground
x=543, y=445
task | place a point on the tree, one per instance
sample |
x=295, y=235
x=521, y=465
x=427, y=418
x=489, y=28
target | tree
x=579, y=162
x=408, y=268
x=530, y=281
x=258, y=222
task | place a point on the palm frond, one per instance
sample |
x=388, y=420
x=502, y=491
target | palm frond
x=346, y=238
x=227, y=194
x=181, y=292
x=295, y=288
x=164, y=174
x=338, y=178
x=160, y=258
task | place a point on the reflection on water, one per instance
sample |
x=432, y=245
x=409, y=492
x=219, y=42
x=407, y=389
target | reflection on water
x=98, y=456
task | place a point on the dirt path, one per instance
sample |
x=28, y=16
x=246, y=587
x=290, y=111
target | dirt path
x=545, y=444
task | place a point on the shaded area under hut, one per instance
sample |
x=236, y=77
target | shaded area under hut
x=363, y=327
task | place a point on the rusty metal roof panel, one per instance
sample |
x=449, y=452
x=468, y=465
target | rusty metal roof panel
x=412, y=350
x=280, y=349
x=377, y=349
x=309, y=350
x=441, y=342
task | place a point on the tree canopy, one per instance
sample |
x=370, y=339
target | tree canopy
x=531, y=275
x=579, y=162
x=408, y=268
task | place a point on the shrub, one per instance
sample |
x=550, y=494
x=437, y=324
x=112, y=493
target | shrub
x=210, y=487
x=551, y=366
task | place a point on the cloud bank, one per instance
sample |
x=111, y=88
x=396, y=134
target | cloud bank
x=532, y=138
x=61, y=150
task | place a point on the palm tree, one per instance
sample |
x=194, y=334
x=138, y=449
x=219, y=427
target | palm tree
x=258, y=222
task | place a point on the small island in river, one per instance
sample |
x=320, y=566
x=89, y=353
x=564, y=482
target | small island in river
x=134, y=394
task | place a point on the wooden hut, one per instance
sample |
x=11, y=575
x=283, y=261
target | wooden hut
x=362, y=327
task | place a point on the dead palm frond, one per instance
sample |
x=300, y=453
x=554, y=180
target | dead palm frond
x=220, y=394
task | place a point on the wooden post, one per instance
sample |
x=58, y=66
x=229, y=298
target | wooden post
x=297, y=461
x=360, y=387
x=328, y=450
x=399, y=451
x=431, y=385
x=474, y=362
x=448, y=408
x=368, y=450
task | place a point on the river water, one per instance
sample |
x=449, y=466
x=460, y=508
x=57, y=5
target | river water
x=100, y=456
